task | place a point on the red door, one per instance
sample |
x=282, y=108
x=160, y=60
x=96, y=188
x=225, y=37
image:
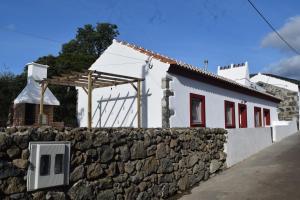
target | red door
x=267, y=117
x=242, y=116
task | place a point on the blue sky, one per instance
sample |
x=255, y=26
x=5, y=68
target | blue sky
x=223, y=32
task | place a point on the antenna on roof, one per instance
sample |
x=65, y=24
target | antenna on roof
x=205, y=65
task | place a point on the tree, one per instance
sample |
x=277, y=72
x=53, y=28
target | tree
x=75, y=55
x=79, y=53
x=10, y=86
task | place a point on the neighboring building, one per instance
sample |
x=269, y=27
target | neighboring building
x=174, y=94
x=286, y=89
x=26, y=105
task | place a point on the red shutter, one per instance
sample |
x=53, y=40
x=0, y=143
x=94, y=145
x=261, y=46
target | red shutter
x=267, y=120
x=242, y=115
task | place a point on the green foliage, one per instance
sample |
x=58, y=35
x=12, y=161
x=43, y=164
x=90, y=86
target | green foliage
x=75, y=55
x=10, y=86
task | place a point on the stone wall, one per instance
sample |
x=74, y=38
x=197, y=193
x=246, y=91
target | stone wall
x=116, y=163
x=289, y=106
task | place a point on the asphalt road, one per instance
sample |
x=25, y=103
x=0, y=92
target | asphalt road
x=271, y=174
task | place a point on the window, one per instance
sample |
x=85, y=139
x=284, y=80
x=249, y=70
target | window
x=257, y=117
x=229, y=115
x=242, y=116
x=197, y=110
x=267, y=120
x=58, y=166
x=45, y=165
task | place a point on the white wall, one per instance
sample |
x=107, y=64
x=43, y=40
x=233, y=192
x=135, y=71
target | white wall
x=239, y=74
x=214, y=99
x=118, y=107
x=242, y=143
x=282, y=129
x=275, y=81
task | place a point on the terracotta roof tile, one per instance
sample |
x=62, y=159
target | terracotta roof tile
x=176, y=63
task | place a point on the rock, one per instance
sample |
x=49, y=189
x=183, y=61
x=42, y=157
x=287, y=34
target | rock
x=14, y=185
x=192, y=160
x=92, y=154
x=130, y=193
x=8, y=170
x=124, y=153
x=84, y=145
x=183, y=183
x=18, y=196
x=129, y=167
x=150, y=166
x=165, y=178
x=151, y=150
x=22, y=140
x=38, y=195
x=112, y=169
x=173, y=143
x=51, y=195
x=105, y=183
x=222, y=155
x=81, y=191
x=100, y=140
x=20, y=163
x=3, y=141
x=77, y=173
x=201, y=165
x=142, y=186
x=13, y=151
x=107, y=154
x=166, y=166
x=121, y=178
x=139, y=164
x=138, y=150
x=138, y=177
x=214, y=166
x=94, y=171
x=161, y=151
x=147, y=140
x=106, y=194
x=25, y=154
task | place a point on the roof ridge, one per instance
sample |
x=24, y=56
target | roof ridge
x=170, y=61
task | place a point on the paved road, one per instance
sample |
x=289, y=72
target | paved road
x=272, y=174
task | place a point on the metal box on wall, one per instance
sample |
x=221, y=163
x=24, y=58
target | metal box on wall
x=49, y=164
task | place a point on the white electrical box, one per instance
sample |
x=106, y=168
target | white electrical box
x=49, y=164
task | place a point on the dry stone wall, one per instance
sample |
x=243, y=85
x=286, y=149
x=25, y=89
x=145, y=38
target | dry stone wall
x=116, y=163
x=288, y=108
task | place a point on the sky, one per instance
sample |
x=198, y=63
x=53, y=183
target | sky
x=223, y=32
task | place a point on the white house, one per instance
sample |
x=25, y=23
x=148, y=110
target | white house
x=285, y=88
x=174, y=94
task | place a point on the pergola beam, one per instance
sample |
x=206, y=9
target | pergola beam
x=90, y=89
x=88, y=80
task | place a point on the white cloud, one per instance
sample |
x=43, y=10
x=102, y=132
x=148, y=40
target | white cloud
x=290, y=31
x=288, y=67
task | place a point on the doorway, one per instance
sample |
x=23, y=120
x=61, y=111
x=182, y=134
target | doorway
x=267, y=120
x=242, y=116
x=30, y=114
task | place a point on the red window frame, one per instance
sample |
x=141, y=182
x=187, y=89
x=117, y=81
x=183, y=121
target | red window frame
x=232, y=105
x=267, y=122
x=257, y=109
x=202, y=99
x=243, y=123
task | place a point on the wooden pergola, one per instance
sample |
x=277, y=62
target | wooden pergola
x=89, y=80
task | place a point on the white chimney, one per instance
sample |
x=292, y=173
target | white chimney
x=37, y=71
x=236, y=72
